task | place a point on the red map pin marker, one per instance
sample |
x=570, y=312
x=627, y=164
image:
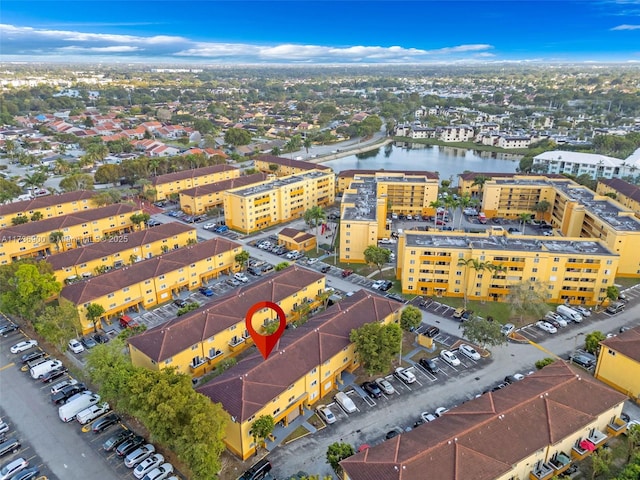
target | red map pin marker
x=265, y=343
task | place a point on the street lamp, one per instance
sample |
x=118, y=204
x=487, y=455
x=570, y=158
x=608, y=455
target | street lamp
x=575, y=345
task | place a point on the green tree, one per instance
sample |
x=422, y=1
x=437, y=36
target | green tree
x=377, y=256
x=307, y=144
x=94, y=312
x=592, y=341
x=237, y=137
x=540, y=364
x=19, y=220
x=36, y=216
x=528, y=298
x=483, y=332
x=436, y=204
x=479, y=181
x=314, y=217
x=281, y=266
x=613, y=293
x=56, y=237
x=541, y=207
x=524, y=219
x=242, y=258
x=76, y=181
x=261, y=428
x=274, y=167
x=106, y=197
x=337, y=452
x=34, y=180
x=464, y=201
x=411, y=318
x=109, y=173
x=633, y=441
x=27, y=292
x=477, y=266
x=139, y=219
x=204, y=126
x=377, y=345
x=8, y=190
x=58, y=323
x=601, y=462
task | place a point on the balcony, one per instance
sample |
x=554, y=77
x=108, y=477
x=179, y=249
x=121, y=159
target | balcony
x=616, y=427
x=216, y=354
x=541, y=471
x=597, y=437
x=236, y=343
x=582, y=449
x=560, y=462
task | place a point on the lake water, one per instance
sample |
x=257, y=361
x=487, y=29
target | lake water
x=449, y=162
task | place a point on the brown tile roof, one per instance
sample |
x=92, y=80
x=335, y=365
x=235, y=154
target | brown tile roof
x=288, y=162
x=296, y=235
x=624, y=188
x=58, y=223
x=44, y=202
x=626, y=343
x=244, y=389
x=352, y=173
x=473, y=175
x=168, y=339
x=100, y=249
x=83, y=292
x=483, y=438
x=196, y=172
x=224, y=185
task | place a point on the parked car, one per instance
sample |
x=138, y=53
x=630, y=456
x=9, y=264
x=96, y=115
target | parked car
x=51, y=375
x=31, y=356
x=427, y=417
x=129, y=445
x=326, y=414
x=546, y=327
x=325, y=269
x=405, y=375
x=8, y=328
x=559, y=319
x=393, y=433
x=117, y=439
x=162, y=472
x=221, y=229
x=10, y=445
x=147, y=465
x=385, y=386
x=582, y=360
x=469, y=351
x=206, y=291
x=345, y=402
x=372, y=389
x=88, y=342
x=67, y=392
x=63, y=384
x=507, y=329
x=241, y=277
x=209, y=226
x=126, y=321
x=396, y=297
x=92, y=412
x=257, y=471
x=27, y=474
x=553, y=322
x=585, y=312
x=100, y=338
x=458, y=312
x=139, y=454
x=428, y=364
x=377, y=284
x=23, y=346
x=11, y=468
x=516, y=377
x=346, y=273
x=105, y=422
x=450, y=358
x=441, y=411
x=179, y=302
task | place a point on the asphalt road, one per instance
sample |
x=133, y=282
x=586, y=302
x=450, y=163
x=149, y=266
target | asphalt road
x=60, y=446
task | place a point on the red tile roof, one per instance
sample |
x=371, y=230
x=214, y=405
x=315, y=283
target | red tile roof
x=627, y=343
x=166, y=340
x=482, y=439
x=93, y=251
x=251, y=384
x=44, y=202
x=624, y=188
x=287, y=162
x=223, y=185
x=83, y=292
x=196, y=172
x=296, y=235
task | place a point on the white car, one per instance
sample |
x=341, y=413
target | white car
x=312, y=261
x=385, y=386
x=441, y=411
x=207, y=226
x=469, y=351
x=64, y=383
x=160, y=473
x=22, y=346
x=91, y=413
x=508, y=329
x=558, y=318
x=405, y=375
x=377, y=284
x=326, y=414
x=241, y=277
x=427, y=417
x=147, y=465
x=585, y=312
x=75, y=346
x=546, y=326
x=450, y=358
x=13, y=467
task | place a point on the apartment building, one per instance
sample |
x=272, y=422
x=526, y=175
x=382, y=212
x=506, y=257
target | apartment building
x=574, y=210
x=619, y=363
x=197, y=341
x=306, y=365
x=576, y=270
x=456, y=133
x=47, y=207
x=472, y=183
x=197, y=200
x=578, y=163
x=118, y=251
x=625, y=193
x=174, y=183
x=533, y=429
x=76, y=229
x=279, y=200
x=414, y=178
x=152, y=281
x=283, y=167
x=369, y=200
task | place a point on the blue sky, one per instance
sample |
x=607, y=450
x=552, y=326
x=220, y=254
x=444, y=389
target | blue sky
x=327, y=32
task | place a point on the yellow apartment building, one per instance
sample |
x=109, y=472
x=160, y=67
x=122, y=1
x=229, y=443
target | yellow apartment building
x=283, y=167
x=534, y=429
x=574, y=210
x=197, y=200
x=118, y=251
x=626, y=193
x=371, y=198
x=576, y=270
x=472, y=183
x=86, y=226
x=306, y=364
x=47, y=207
x=268, y=203
x=170, y=183
x=415, y=179
x=197, y=341
x=619, y=363
x=152, y=281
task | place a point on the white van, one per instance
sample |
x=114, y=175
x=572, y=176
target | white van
x=44, y=368
x=345, y=402
x=76, y=404
x=569, y=313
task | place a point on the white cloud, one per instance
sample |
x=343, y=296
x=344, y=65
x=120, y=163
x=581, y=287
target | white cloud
x=626, y=27
x=111, y=49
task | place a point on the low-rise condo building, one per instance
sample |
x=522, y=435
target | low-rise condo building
x=283, y=167
x=169, y=184
x=622, y=191
x=47, y=206
x=619, y=363
x=197, y=200
x=579, y=163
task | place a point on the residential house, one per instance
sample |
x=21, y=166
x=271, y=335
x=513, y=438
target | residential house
x=173, y=183
x=298, y=240
x=619, y=363
x=47, y=207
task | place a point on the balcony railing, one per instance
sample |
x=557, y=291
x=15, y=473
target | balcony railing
x=236, y=343
x=541, y=471
x=597, y=437
x=560, y=462
x=616, y=427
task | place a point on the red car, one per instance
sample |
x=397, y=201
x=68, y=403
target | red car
x=346, y=273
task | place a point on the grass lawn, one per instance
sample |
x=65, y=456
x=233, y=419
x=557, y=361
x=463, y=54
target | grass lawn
x=297, y=433
x=316, y=422
x=498, y=310
x=626, y=282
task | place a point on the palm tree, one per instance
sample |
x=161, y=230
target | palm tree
x=541, y=207
x=314, y=217
x=480, y=180
x=307, y=144
x=56, y=237
x=37, y=179
x=451, y=203
x=477, y=266
x=464, y=202
x=524, y=218
x=436, y=204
